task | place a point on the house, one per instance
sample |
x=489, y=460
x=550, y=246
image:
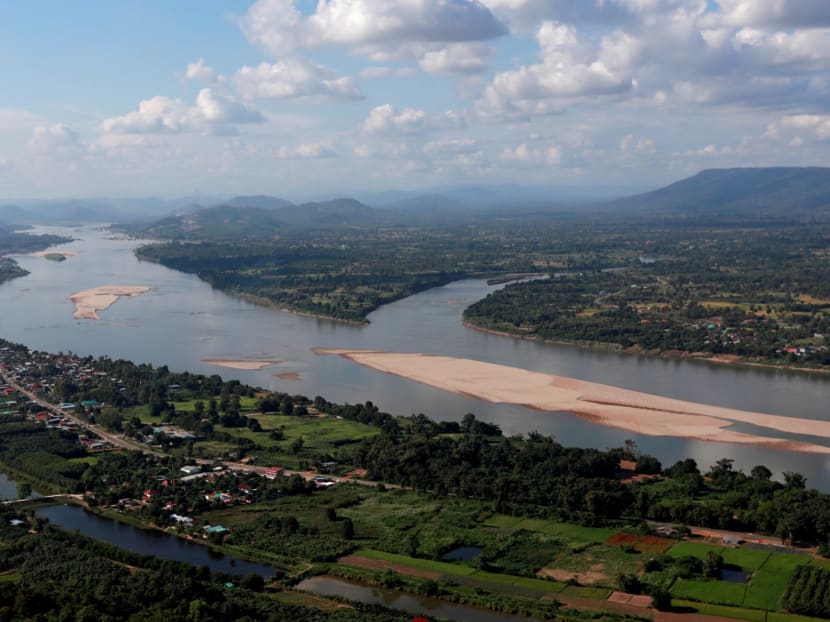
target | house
x=274, y=472
x=191, y=469
x=182, y=520
x=149, y=495
x=216, y=529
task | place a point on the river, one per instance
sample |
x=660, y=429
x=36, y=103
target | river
x=148, y=541
x=183, y=321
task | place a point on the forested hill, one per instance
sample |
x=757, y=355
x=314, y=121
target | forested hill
x=771, y=191
x=257, y=216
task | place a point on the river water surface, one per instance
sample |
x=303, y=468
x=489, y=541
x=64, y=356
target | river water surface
x=183, y=321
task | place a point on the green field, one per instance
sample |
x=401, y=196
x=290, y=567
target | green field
x=712, y=591
x=723, y=611
x=771, y=574
x=573, y=535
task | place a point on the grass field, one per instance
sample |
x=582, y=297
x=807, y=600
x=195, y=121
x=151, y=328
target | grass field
x=490, y=580
x=771, y=574
x=736, y=613
x=573, y=535
x=712, y=591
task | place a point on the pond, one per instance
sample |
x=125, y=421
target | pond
x=148, y=541
x=462, y=554
x=329, y=586
x=734, y=575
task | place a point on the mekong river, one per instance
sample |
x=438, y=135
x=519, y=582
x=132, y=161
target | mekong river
x=183, y=321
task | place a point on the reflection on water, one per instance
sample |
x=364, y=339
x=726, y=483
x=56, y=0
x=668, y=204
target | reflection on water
x=148, y=541
x=183, y=322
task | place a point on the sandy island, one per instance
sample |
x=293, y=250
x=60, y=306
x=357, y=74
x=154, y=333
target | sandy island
x=246, y=365
x=48, y=252
x=634, y=411
x=90, y=301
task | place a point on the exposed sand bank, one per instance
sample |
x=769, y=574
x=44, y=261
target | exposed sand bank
x=90, y=301
x=246, y=365
x=289, y=375
x=48, y=252
x=634, y=411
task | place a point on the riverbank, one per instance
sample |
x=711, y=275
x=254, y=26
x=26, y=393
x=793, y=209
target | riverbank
x=712, y=359
x=633, y=411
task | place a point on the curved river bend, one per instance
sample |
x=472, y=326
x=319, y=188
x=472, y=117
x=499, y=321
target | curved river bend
x=182, y=322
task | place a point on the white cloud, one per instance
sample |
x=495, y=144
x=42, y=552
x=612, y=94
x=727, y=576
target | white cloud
x=212, y=112
x=388, y=119
x=451, y=147
x=306, y=151
x=295, y=78
x=200, y=72
x=571, y=67
x=57, y=138
x=378, y=72
x=367, y=25
x=552, y=155
x=776, y=13
x=818, y=125
x=630, y=144
x=432, y=33
x=460, y=58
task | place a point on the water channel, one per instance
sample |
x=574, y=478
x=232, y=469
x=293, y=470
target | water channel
x=183, y=322
x=148, y=541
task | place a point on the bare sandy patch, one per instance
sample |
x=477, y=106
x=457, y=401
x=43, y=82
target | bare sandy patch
x=289, y=375
x=634, y=411
x=90, y=301
x=48, y=252
x=246, y=365
x=593, y=575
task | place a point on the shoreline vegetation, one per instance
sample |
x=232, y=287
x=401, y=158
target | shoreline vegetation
x=89, y=301
x=703, y=357
x=632, y=411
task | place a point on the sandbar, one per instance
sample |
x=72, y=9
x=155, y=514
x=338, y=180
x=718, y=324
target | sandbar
x=48, y=252
x=90, y=301
x=246, y=365
x=638, y=412
x=289, y=375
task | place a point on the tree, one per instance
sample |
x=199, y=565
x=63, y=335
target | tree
x=760, y=473
x=347, y=529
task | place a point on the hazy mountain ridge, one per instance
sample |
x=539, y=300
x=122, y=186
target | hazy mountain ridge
x=740, y=190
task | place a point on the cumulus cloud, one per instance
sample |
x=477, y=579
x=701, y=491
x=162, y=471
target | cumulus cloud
x=200, y=72
x=421, y=30
x=212, y=112
x=279, y=28
x=776, y=13
x=57, y=138
x=461, y=58
x=571, y=67
x=551, y=155
x=377, y=72
x=451, y=147
x=817, y=125
x=388, y=119
x=307, y=151
x=295, y=78
x=630, y=144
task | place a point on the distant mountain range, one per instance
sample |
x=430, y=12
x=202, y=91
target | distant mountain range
x=738, y=191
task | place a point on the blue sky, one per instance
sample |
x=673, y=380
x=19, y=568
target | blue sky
x=301, y=98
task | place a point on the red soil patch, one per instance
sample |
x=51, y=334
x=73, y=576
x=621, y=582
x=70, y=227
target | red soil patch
x=358, y=561
x=643, y=544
